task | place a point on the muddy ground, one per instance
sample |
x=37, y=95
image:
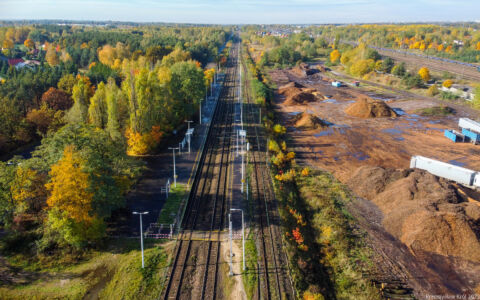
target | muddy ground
x=351, y=142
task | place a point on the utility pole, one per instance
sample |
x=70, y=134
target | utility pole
x=230, y=236
x=141, y=233
x=243, y=234
x=174, y=170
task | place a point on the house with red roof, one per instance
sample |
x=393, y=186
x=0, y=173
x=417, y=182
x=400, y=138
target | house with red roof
x=12, y=62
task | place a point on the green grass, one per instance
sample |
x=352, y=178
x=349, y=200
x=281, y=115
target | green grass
x=170, y=208
x=250, y=278
x=113, y=273
x=435, y=111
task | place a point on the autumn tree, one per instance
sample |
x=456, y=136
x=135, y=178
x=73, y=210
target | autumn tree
x=177, y=55
x=8, y=44
x=334, y=56
x=51, y=56
x=57, y=99
x=28, y=190
x=424, y=74
x=70, y=201
x=81, y=98
x=97, y=111
x=41, y=118
x=117, y=109
x=66, y=83
x=447, y=83
x=29, y=44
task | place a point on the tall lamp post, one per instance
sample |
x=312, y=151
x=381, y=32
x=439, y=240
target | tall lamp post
x=141, y=233
x=174, y=170
x=243, y=234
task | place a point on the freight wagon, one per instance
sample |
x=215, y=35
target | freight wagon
x=458, y=174
x=454, y=135
x=469, y=124
x=471, y=135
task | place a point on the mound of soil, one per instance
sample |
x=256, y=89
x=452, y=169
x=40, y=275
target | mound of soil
x=296, y=93
x=307, y=121
x=369, y=108
x=303, y=70
x=423, y=211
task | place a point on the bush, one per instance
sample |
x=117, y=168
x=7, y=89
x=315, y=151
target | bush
x=433, y=90
x=412, y=81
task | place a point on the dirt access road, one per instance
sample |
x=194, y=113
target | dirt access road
x=351, y=142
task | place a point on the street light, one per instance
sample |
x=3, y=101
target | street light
x=243, y=235
x=230, y=237
x=141, y=233
x=174, y=170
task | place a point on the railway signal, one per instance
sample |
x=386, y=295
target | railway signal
x=141, y=233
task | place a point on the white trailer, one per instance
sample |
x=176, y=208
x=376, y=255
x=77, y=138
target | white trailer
x=469, y=124
x=448, y=171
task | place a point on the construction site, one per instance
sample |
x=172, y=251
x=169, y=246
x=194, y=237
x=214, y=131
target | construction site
x=423, y=228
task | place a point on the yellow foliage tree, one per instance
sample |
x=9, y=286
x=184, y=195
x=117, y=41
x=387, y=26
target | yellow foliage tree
x=424, y=74
x=447, y=83
x=69, y=187
x=139, y=143
x=51, y=56
x=29, y=44
x=478, y=46
x=28, y=190
x=209, y=74
x=334, y=56
x=8, y=44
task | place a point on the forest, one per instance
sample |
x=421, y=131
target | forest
x=91, y=98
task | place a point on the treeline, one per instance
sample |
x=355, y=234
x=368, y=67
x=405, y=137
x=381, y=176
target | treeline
x=454, y=42
x=90, y=121
x=280, y=52
x=62, y=51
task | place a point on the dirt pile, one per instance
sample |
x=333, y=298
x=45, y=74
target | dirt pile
x=296, y=93
x=303, y=70
x=308, y=121
x=369, y=108
x=425, y=212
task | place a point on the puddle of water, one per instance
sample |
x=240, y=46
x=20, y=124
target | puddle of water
x=399, y=111
x=294, y=113
x=336, y=158
x=399, y=139
x=324, y=133
x=411, y=119
x=351, y=101
x=456, y=163
x=392, y=131
x=361, y=156
x=414, y=115
x=330, y=101
x=434, y=122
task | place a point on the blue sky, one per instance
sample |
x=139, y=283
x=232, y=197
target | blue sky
x=245, y=11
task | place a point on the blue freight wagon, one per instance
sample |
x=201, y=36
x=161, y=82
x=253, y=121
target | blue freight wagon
x=454, y=135
x=473, y=136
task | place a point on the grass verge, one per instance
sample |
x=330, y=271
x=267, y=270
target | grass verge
x=114, y=273
x=170, y=208
x=439, y=111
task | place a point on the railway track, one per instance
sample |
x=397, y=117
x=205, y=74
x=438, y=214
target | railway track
x=275, y=281
x=196, y=260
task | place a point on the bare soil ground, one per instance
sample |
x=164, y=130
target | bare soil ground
x=389, y=142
